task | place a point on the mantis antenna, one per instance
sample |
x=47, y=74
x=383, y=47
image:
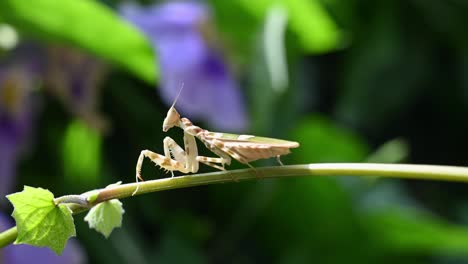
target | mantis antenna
x=178, y=94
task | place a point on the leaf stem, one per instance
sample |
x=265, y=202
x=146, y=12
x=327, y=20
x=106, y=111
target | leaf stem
x=8, y=236
x=406, y=171
x=74, y=199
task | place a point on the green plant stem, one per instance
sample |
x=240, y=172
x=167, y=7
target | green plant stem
x=423, y=172
x=7, y=237
x=407, y=171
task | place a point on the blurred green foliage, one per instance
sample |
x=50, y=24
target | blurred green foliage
x=361, y=73
x=84, y=24
x=81, y=155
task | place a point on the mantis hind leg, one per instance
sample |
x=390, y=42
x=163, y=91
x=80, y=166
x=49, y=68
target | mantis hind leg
x=211, y=162
x=257, y=173
x=279, y=160
x=237, y=156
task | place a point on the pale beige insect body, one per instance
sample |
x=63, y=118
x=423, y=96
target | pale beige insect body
x=246, y=148
x=243, y=148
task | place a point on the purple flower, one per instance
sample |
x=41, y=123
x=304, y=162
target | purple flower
x=187, y=56
x=74, y=78
x=25, y=254
x=16, y=86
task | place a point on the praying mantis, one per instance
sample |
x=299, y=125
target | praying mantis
x=243, y=148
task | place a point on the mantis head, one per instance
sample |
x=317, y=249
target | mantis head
x=172, y=119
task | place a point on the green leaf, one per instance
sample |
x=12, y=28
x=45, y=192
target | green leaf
x=87, y=24
x=40, y=222
x=393, y=151
x=308, y=19
x=105, y=216
x=323, y=141
x=413, y=232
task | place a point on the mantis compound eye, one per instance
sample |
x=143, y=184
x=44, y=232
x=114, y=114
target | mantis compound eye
x=172, y=119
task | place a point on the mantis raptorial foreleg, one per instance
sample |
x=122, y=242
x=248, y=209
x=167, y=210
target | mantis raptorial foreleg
x=160, y=160
x=177, y=159
x=189, y=156
x=173, y=150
